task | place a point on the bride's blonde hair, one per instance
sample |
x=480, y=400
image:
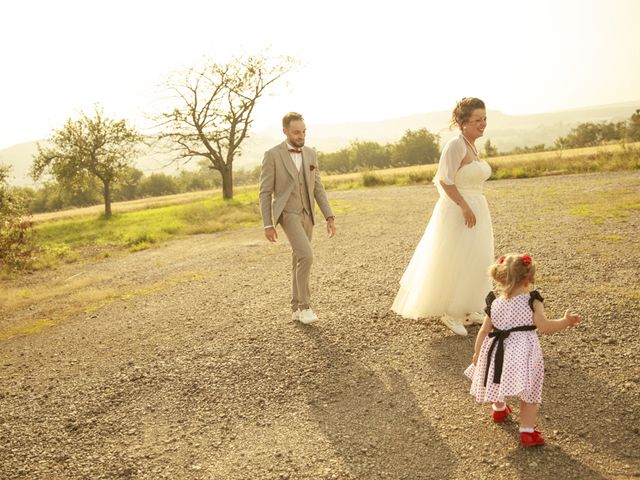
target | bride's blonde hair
x=464, y=109
x=511, y=270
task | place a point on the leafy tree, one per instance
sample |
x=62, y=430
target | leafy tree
x=529, y=149
x=336, y=162
x=248, y=177
x=584, y=135
x=591, y=134
x=88, y=148
x=215, y=108
x=53, y=196
x=370, y=155
x=489, y=149
x=633, y=128
x=189, y=181
x=611, y=132
x=127, y=187
x=416, y=148
x=157, y=184
x=45, y=199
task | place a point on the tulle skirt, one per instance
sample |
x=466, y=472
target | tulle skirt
x=448, y=272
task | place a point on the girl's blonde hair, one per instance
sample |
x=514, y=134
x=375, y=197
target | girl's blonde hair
x=511, y=270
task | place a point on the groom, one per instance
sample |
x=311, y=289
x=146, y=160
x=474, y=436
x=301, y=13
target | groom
x=289, y=185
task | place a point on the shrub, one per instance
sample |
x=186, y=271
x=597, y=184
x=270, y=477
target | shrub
x=17, y=244
x=372, y=180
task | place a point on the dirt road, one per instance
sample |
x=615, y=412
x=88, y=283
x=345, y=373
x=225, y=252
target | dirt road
x=201, y=374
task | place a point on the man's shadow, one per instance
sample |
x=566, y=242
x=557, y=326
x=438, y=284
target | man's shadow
x=564, y=410
x=373, y=420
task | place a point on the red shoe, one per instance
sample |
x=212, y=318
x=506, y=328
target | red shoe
x=500, y=415
x=531, y=439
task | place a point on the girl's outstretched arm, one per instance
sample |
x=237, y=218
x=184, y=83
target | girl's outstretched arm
x=545, y=325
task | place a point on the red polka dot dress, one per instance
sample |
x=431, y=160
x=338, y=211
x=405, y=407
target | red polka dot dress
x=523, y=364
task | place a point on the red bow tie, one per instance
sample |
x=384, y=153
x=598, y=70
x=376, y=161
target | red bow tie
x=293, y=150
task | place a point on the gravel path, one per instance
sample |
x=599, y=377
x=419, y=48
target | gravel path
x=201, y=374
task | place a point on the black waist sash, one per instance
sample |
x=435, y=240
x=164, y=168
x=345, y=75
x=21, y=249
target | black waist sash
x=498, y=339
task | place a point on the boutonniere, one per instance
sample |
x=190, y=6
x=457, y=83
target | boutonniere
x=312, y=167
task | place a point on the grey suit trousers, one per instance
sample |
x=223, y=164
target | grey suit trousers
x=298, y=228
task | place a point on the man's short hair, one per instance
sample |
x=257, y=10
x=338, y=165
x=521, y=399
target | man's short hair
x=290, y=117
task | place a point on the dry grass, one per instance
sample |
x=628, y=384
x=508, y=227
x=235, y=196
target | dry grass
x=65, y=298
x=134, y=205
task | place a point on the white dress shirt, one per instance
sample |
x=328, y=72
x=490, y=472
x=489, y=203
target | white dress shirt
x=296, y=157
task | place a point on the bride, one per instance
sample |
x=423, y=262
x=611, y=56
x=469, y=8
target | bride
x=447, y=275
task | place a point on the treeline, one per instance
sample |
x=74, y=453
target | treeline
x=588, y=134
x=134, y=185
x=592, y=134
x=416, y=147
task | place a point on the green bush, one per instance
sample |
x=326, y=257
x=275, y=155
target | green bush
x=17, y=243
x=372, y=180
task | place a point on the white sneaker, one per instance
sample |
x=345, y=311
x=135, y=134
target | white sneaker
x=296, y=315
x=473, y=318
x=307, y=316
x=454, y=324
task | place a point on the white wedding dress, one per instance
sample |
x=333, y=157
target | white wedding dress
x=448, y=272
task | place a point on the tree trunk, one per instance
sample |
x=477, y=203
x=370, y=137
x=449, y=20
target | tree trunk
x=227, y=182
x=107, y=200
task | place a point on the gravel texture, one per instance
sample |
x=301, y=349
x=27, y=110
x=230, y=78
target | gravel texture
x=202, y=374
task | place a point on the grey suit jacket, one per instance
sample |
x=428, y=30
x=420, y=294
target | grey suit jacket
x=278, y=179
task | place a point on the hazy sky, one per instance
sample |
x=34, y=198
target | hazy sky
x=360, y=60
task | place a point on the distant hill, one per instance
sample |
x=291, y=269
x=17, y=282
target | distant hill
x=505, y=132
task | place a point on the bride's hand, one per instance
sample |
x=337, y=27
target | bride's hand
x=469, y=216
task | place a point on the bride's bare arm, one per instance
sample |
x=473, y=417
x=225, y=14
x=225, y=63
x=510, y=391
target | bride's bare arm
x=453, y=193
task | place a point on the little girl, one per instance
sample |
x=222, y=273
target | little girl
x=508, y=359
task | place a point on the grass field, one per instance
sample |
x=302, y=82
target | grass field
x=580, y=160
x=140, y=224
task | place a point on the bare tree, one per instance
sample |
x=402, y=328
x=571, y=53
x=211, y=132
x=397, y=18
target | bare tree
x=216, y=107
x=89, y=147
